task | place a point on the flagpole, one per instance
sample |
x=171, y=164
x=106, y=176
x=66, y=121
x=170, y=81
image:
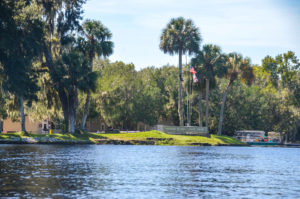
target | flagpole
x=191, y=110
x=190, y=91
x=190, y=88
x=187, y=100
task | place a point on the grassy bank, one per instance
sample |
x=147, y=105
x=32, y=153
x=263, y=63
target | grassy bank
x=144, y=138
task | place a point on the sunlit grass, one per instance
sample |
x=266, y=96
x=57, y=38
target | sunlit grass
x=9, y=135
x=173, y=139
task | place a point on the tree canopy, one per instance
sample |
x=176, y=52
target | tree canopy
x=179, y=37
x=55, y=63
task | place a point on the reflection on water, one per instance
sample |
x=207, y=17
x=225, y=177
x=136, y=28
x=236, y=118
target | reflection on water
x=107, y=171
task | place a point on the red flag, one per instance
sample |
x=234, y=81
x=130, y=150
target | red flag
x=192, y=70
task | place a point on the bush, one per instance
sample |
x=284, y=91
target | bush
x=111, y=130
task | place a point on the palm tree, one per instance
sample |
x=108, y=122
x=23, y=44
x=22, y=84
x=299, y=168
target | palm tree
x=209, y=63
x=180, y=36
x=95, y=40
x=238, y=68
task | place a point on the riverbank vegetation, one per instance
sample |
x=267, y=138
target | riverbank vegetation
x=54, y=65
x=140, y=138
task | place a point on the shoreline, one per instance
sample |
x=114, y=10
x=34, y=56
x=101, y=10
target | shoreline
x=139, y=138
x=46, y=139
x=107, y=142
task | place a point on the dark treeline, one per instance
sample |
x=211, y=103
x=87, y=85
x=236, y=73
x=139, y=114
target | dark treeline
x=151, y=96
x=54, y=64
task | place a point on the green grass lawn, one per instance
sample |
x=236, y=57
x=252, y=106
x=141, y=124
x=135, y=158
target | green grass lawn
x=175, y=139
x=7, y=136
x=84, y=137
x=158, y=137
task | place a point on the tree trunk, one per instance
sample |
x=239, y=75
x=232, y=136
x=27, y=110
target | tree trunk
x=207, y=104
x=72, y=122
x=200, y=108
x=73, y=107
x=1, y=122
x=72, y=118
x=85, y=111
x=48, y=56
x=21, y=109
x=294, y=132
x=65, y=107
x=61, y=93
x=180, y=108
x=222, y=109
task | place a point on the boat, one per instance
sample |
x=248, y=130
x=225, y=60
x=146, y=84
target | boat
x=259, y=138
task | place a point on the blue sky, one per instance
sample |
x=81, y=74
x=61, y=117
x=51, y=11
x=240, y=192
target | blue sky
x=255, y=28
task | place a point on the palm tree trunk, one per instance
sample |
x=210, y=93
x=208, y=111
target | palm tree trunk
x=207, y=104
x=180, y=108
x=222, y=109
x=21, y=109
x=200, y=108
x=85, y=111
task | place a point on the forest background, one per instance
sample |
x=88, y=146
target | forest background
x=54, y=64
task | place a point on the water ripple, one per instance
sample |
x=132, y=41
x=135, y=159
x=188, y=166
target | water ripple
x=107, y=171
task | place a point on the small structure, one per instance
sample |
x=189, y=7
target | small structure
x=275, y=137
x=43, y=127
x=250, y=136
x=10, y=126
x=182, y=130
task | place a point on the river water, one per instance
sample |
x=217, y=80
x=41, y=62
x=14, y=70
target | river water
x=117, y=171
